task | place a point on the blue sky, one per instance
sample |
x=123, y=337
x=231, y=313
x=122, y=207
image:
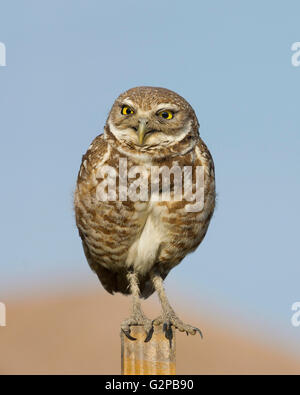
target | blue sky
x=67, y=62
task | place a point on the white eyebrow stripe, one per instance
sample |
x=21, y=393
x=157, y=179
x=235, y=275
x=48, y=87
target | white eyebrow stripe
x=167, y=106
x=128, y=102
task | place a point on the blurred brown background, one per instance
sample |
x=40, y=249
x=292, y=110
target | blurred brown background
x=78, y=333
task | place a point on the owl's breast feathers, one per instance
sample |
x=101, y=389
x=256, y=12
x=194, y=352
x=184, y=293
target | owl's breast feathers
x=119, y=235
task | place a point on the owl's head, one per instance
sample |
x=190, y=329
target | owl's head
x=148, y=118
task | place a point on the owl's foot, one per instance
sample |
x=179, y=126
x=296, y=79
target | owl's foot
x=138, y=319
x=170, y=318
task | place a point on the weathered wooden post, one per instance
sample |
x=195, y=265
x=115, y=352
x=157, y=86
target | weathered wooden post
x=155, y=357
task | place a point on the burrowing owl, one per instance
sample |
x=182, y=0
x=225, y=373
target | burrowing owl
x=134, y=230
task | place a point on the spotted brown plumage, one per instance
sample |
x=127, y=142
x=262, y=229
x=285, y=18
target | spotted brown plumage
x=132, y=245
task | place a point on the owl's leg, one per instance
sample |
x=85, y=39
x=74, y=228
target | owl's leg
x=137, y=317
x=169, y=317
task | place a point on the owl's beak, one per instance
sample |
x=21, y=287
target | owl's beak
x=142, y=130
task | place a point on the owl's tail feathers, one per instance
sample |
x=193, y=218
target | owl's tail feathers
x=146, y=288
x=117, y=281
x=113, y=281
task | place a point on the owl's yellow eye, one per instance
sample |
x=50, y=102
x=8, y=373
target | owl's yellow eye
x=126, y=110
x=166, y=114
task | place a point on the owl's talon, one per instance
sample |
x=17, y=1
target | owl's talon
x=127, y=334
x=167, y=328
x=138, y=319
x=172, y=319
x=199, y=331
x=149, y=335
